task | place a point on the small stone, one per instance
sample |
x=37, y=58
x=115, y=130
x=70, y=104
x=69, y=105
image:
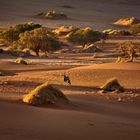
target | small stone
x=119, y=99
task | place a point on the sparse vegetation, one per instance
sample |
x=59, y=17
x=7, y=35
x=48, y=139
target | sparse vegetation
x=63, y=30
x=44, y=94
x=21, y=61
x=127, y=51
x=112, y=85
x=91, y=48
x=117, y=32
x=135, y=29
x=12, y=34
x=83, y=36
x=127, y=21
x=52, y=15
x=36, y=40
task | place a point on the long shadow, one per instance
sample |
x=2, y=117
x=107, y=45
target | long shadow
x=43, y=69
x=7, y=73
x=132, y=90
x=76, y=88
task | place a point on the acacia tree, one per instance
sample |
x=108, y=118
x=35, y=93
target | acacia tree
x=128, y=50
x=12, y=33
x=84, y=36
x=39, y=39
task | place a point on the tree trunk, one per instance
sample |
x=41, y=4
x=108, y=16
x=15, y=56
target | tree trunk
x=37, y=52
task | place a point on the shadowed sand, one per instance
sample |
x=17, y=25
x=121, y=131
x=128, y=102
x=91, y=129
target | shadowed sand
x=30, y=123
x=87, y=116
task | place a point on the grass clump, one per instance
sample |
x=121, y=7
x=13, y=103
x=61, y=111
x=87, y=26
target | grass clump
x=112, y=85
x=53, y=15
x=43, y=94
x=127, y=21
x=63, y=30
x=21, y=61
x=113, y=32
x=90, y=48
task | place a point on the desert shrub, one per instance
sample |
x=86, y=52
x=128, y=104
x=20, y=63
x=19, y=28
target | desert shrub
x=84, y=36
x=21, y=61
x=112, y=85
x=117, y=32
x=90, y=48
x=63, y=30
x=127, y=21
x=16, y=46
x=52, y=15
x=26, y=51
x=55, y=15
x=39, y=39
x=12, y=34
x=135, y=29
x=43, y=94
x=127, y=51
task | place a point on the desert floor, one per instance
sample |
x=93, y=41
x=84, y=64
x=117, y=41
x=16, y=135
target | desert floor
x=89, y=115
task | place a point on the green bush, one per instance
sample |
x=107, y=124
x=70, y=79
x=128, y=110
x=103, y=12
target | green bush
x=39, y=40
x=12, y=34
x=83, y=36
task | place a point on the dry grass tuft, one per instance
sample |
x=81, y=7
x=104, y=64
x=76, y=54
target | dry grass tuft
x=112, y=85
x=43, y=94
x=21, y=61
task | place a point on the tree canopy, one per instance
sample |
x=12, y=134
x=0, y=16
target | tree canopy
x=83, y=36
x=12, y=33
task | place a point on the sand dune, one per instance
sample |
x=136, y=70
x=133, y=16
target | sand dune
x=87, y=116
x=95, y=13
x=38, y=124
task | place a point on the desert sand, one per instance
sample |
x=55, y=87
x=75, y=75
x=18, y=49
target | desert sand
x=98, y=14
x=88, y=115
